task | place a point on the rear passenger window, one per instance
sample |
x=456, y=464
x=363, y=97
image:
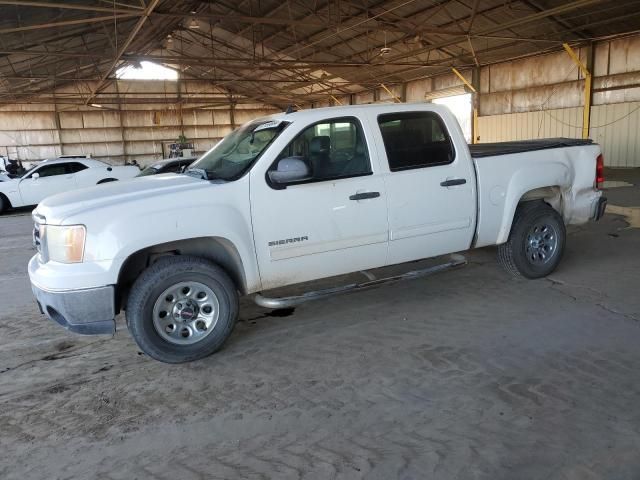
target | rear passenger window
x=75, y=167
x=415, y=140
x=333, y=149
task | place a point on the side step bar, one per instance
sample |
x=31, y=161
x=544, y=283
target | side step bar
x=287, y=302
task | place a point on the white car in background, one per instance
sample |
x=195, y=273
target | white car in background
x=57, y=176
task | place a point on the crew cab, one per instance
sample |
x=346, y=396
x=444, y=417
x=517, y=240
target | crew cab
x=56, y=176
x=297, y=197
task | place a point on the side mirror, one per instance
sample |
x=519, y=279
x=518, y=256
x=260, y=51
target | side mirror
x=35, y=176
x=289, y=170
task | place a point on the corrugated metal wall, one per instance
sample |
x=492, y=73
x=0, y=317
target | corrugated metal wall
x=134, y=132
x=562, y=122
x=543, y=97
x=616, y=127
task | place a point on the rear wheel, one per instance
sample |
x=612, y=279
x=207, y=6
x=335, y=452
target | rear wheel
x=182, y=309
x=536, y=242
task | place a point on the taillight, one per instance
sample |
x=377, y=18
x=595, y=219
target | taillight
x=599, y=171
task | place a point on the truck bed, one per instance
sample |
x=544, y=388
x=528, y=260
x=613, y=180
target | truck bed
x=504, y=148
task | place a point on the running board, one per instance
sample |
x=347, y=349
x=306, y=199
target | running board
x=287, y=302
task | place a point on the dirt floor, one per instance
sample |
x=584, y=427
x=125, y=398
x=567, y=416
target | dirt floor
x=469, y=374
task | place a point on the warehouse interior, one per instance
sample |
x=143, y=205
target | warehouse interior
x=465, y=375
x=61, y=93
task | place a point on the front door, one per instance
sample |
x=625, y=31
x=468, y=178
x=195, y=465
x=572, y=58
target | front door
x=430, y=186
x=51, y=179
x=331, y=223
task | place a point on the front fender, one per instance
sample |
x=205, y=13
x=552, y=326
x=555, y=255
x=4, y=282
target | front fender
x=127, y=233
x=11, y=190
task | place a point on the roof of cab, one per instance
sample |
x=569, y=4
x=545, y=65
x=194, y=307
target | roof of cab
x=90, y=162
x=346, y=110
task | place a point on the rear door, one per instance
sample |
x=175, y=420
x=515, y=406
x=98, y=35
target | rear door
x=333, y=223
x=430, y=185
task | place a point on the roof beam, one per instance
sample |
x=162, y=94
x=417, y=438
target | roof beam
x=240, y=62
x=567, y=7
x=145, y=15
x=71, y=6
x=65, y=23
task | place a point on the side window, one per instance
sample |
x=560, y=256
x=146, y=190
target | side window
x=75, y=167
x=415, y=140
x=52, y=170
x=333, y=149
x=175, y=168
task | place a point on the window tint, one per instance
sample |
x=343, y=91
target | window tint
x=332, y=149
x=415, y=140
x=52, y=170
x=75, y=167
x=175, y=167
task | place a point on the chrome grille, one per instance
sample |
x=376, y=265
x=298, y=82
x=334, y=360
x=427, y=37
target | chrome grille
x=38, y=237
x=37, y=243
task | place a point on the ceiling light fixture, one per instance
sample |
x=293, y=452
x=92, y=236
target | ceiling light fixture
x=97, y=105
x=194, y=25
x=385, y=50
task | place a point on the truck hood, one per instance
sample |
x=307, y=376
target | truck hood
x=7, y=182
x=119, y=194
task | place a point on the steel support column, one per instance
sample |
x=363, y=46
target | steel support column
x=588, y=86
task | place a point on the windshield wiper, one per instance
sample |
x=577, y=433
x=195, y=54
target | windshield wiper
x=212, y=176
x=198, y=173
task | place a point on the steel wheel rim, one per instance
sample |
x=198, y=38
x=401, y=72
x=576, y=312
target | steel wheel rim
x=541, y=243
x=186, y=313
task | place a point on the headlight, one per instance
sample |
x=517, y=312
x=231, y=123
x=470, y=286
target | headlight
x=65, y=244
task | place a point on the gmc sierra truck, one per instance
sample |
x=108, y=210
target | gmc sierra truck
x=297, y=197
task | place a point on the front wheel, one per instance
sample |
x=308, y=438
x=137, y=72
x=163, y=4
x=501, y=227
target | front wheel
x=182, y=309
x=536, y=242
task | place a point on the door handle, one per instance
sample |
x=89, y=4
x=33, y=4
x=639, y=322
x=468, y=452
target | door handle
x=364, y=195
x=453, y=182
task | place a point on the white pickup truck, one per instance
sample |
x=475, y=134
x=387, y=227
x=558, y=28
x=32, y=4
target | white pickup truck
x=296, y=197
x=57, y=176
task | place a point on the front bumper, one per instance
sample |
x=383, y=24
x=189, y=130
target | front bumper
x=88, y=312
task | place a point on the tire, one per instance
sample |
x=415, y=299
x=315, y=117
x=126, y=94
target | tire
x=159, y=311
x=536, y=242
x=107, y=180
x=4, y=204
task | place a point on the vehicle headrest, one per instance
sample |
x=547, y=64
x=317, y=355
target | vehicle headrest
x=320, y=145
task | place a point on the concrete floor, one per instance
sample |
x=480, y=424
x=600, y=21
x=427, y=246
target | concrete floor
x=465, y=375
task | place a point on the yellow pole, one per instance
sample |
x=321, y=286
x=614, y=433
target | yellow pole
x=464, y=80
x=475, y=132
x=395, y=97
x=336, y=100
x=586, y=112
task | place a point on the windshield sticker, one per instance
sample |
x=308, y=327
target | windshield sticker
x=267, y=125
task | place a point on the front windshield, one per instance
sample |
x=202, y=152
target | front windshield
x=148, y=171
x=28, y=172
x=236, y=152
